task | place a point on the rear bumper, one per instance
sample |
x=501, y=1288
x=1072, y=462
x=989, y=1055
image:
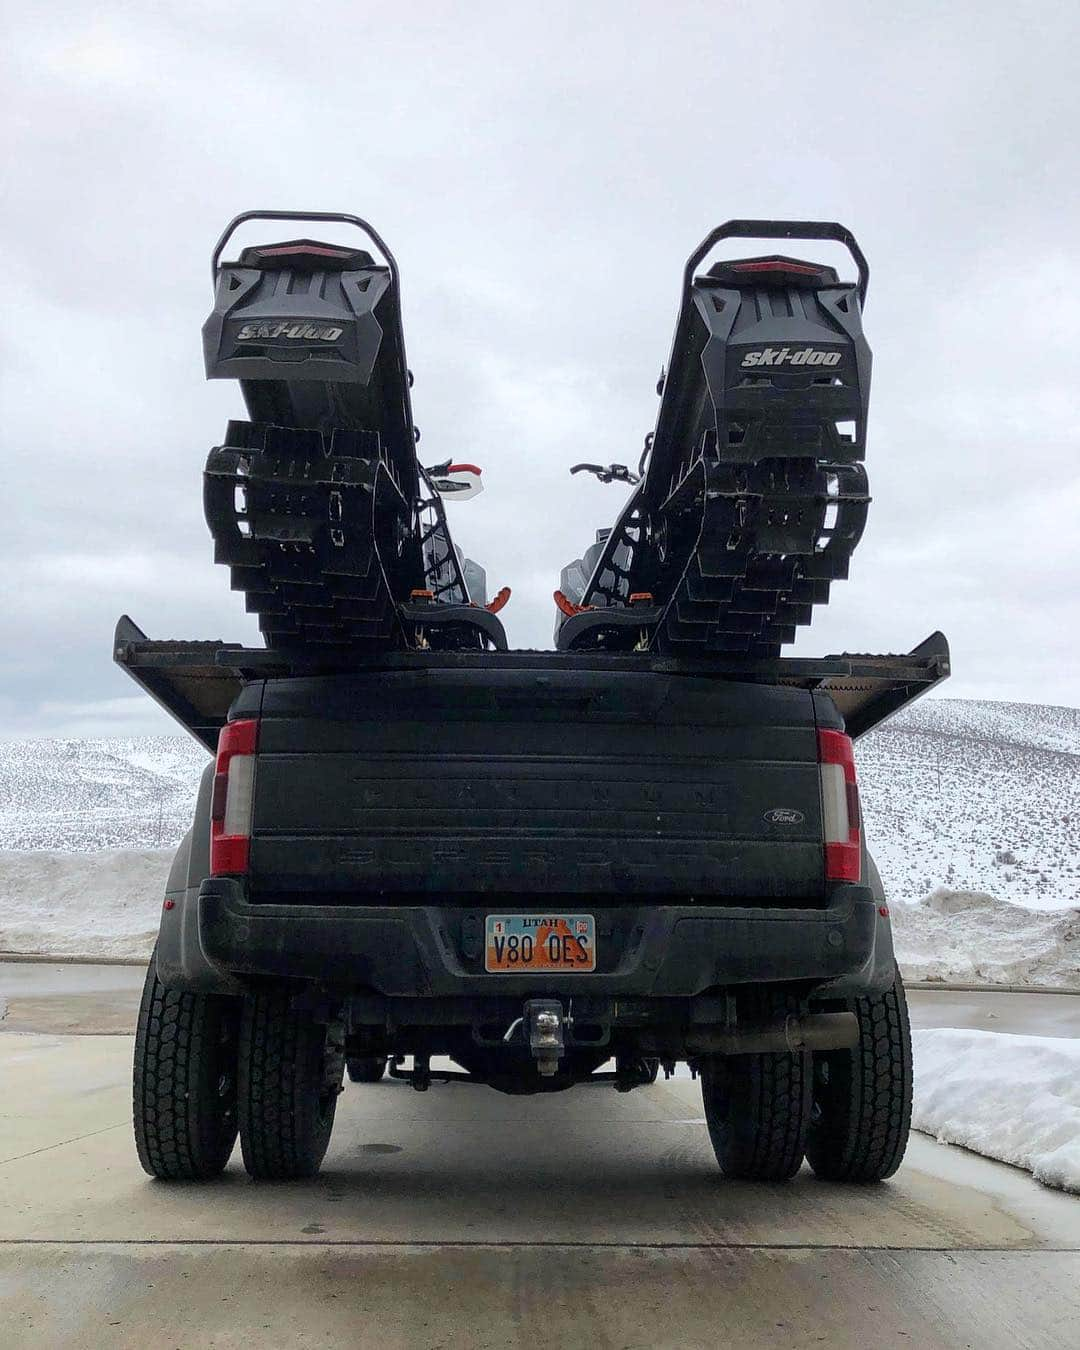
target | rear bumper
x=644, y=950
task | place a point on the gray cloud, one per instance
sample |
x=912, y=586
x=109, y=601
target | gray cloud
x=541, y=176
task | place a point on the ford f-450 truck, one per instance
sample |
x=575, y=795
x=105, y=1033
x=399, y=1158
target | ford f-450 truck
x=547, y=869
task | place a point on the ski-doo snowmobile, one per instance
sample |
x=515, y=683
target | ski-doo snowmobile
x=750, y=495
x=319, y=506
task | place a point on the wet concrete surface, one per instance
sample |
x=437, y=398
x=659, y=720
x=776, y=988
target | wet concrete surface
x=463, y=1218
x=75, y=998
x=1030, y=1014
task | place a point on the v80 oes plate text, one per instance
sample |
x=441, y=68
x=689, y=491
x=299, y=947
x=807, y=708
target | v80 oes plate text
x=526, y=943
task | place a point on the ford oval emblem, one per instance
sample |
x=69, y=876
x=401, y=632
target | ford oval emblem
x=784, y=815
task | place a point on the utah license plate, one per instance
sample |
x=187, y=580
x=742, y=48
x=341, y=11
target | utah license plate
x=525, y=943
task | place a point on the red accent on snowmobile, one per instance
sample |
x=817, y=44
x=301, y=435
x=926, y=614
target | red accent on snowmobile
x=568, y=607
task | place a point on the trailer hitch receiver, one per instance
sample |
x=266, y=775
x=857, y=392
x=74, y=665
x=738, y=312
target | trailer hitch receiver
x=545, y=1025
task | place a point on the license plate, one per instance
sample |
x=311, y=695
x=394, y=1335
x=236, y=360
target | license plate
x=522, y=944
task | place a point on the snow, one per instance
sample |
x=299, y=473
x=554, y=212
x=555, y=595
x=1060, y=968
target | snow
x=97, y=793
x=1030, y=725
x=975, y=796
x=1014, y=1098
x=970, y=938
x=82, y=904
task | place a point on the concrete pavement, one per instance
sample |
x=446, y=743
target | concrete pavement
x=461, y=1217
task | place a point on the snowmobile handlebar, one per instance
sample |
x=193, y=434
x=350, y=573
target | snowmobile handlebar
x=780, y=229
x=608, y=473
x=340, y=217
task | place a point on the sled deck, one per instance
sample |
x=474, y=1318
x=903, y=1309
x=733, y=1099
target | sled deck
x=318, y=505
x=753, y=494
x=197, y=682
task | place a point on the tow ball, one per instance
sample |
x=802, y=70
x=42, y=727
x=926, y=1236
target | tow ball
x=545, y=1024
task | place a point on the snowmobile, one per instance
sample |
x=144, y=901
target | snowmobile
x=750, y=495
x=319, y=506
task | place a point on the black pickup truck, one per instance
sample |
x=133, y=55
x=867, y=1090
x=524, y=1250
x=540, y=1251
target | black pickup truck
x=549, y=868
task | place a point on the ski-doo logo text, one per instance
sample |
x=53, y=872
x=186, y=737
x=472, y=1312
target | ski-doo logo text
x=288, y=330
x=791, y=356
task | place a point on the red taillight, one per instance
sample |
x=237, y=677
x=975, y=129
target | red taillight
x=775, y=270
x=233, y=798
x=839, y=807
x=303, y=251
x=776, y=265
x=306, y=255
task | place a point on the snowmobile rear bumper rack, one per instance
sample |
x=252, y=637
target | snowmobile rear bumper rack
x=780, y=229
x=336, y=217
x=197, y=682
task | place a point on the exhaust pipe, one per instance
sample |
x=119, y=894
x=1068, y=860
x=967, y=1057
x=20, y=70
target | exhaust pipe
x=815, y=1031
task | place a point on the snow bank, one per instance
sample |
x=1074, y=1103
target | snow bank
x=972, y=938
x=82, y=904
x=1015, y=1098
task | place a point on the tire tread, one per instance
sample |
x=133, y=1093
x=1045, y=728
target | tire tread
x=280, y=1055
x=175, y=1136
x=758, y=1106
x=866, y=1107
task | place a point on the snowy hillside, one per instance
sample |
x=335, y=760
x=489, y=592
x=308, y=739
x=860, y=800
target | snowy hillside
x=84, y=795
x=976, y=796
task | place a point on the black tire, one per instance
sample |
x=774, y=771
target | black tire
x=757, y=1106
x=184, y=1081
x=365, y=1068
x=862, y=1097
x=291, y=1069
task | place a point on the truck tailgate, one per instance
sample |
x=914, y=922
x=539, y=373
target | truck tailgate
x=488, y=782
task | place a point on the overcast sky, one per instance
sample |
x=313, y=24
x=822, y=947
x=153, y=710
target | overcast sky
x=541, y=172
